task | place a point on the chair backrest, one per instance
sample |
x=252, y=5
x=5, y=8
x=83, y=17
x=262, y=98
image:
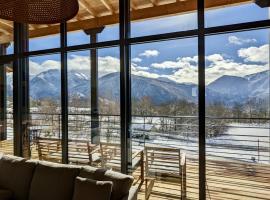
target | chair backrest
x=49, y=149
x=79, y=151
x=162, y=162
x=109, y=151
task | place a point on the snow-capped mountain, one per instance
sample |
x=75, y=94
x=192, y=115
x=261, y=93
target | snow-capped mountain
x=234, y=89
x=227, y=89
x=159, y=91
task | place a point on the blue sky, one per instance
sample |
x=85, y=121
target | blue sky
x=231, y=54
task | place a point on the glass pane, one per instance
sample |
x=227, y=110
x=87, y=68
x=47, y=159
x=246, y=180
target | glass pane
x=45, y=107
x=94, y=17
x=237, y=108
x=94, y=124
x=157, y=17
x=44, y=37
x=165, y=118
x=6, y=111
x=79, y=126
x=233, y=13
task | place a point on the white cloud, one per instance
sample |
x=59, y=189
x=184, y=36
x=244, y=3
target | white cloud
x=180, y=62
x=215, y=58
x=186, y=68
x=136, y=60
x=82, y=64
x=36, y=68
x=240, y=41
x=255, y=54
x=149, y=53
x=183, y=69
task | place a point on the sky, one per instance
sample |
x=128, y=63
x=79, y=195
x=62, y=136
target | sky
x=236, y=54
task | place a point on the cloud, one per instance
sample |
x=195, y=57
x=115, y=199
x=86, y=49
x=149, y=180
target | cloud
x=185, y=69
x=36, y=68
x=240, y=41
x=179, y=63
x=214, y=58
x=149, y=53
x=255, y=54
x=136, y=60
x=181, y=70
x=106, y=65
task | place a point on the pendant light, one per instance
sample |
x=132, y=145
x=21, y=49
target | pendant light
x=38, y=11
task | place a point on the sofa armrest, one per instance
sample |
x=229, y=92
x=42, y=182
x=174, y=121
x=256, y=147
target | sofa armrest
x=133, y=193
x=5, y=194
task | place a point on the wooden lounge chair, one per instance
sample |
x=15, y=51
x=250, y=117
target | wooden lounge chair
x=166, y=164
x=111, y=158
x=49, y=149
x=82, y=152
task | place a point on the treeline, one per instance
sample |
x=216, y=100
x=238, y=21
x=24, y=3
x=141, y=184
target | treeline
x=182, y=114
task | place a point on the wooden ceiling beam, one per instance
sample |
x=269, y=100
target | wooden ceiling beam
x=154, y=2
x=84, y=4
x=6, y=26
x=133, y=5
x=108, y=5
x=179, y=7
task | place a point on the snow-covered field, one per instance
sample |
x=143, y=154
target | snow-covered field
x=245, y=142
x=250, y=143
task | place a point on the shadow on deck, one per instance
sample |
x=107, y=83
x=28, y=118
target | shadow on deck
x=230, y=180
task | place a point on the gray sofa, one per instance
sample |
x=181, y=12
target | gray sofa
x=22, y=179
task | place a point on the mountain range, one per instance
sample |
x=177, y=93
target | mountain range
x=226, y=89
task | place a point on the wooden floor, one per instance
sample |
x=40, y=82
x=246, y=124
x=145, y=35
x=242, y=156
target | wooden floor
x=225, y=180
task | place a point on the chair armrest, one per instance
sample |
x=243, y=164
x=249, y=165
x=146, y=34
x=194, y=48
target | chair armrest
x=133, y=194
x=95, y=151
x=137, y=153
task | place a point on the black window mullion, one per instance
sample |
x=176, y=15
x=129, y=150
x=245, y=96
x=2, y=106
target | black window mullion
x=64, y=92
x=201, y=57
x=125, y=86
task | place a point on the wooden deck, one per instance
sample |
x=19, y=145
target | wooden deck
x=225, y=180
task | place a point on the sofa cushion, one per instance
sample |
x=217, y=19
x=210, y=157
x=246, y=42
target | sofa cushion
x=16, y=175
x=121, y=182
x=53, y=181
x=87, y=189
x=5, y=194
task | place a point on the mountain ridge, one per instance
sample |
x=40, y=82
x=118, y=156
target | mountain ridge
x=227, y=89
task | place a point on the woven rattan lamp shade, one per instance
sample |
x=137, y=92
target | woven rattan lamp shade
x=38, y=11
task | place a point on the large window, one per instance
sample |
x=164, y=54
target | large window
x=237, y=109
x=45, y=108
x=164, y=85
x=179, y=102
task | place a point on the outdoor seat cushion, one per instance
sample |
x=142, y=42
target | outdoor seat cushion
x=53, y=181
x=5, y=194
x=87, y=189
x=16, y=175
x=121, y=182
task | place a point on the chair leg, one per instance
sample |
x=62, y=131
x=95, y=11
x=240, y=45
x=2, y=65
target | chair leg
x=183, y=183
x=148, y=189
x=142, y=168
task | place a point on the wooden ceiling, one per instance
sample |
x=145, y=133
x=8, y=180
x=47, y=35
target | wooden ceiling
x=97, y=13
